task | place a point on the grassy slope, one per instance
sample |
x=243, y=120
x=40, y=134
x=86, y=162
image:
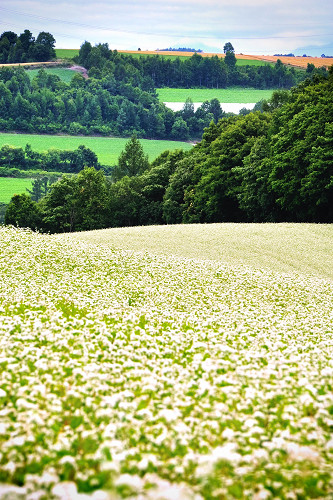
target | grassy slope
x=10, y=186
x=303, y=248
x=107, y=149
x=229, y=95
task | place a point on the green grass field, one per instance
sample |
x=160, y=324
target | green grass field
x=107, y=149
x=65, y=74
x=252, y=62
x=10, y=186
x=66, y=53
x=229, y=95
x=139, y=374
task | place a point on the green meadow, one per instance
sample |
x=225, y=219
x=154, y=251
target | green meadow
x=10, y=186
x=66, y=53
x=107, y=149
x=65, y=74
x=229, y=95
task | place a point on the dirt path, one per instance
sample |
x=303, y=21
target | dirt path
x=49, y=63
x=80, y=69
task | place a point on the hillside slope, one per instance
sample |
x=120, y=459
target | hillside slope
x=300, y=248
x=152, y=377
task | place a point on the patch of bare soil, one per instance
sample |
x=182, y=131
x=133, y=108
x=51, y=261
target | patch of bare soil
x=80, y=69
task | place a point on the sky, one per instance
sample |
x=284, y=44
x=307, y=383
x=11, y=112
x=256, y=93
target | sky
x=252, y=26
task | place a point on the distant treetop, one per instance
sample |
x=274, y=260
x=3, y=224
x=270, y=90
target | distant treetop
x=180, y=49
x=228, y=48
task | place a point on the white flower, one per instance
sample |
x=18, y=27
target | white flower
x=67, y=459
x=228, y=433
x=262, y=494
x=297, y=452
x=169, y=415
x=133, y=481
x=65, y=490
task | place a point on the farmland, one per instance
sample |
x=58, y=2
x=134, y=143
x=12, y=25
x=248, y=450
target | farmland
x=70, y=53
x=107, y=149
x=298, y=62
x=158, y=376
x=300, y=248
x=229, y=95
x=10, y=186
x=66, y=53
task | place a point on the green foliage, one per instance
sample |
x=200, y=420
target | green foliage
x=211, y=187
x=24, y=48
x=228, y=47
x=194, y=71
x=261, y=166
x=40, y=188
x=132, y=161
x=52, y=160
x=300, y=145
x=22, y=212
x=107, y=106
x=230, y=60
x=76, y=203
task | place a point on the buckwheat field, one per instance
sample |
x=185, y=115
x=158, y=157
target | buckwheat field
x=137, y=375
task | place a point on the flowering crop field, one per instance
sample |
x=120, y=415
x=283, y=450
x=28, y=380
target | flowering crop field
x=127, y=374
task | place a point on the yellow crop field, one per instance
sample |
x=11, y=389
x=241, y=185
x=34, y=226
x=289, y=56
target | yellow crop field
x=300, y=62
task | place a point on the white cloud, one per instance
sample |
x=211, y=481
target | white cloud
x=253, y=27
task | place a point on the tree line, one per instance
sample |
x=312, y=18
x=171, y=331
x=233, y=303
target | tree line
x=16, y=161
x=194, y=71
x=268, y=166
x=25, y=47
x=103, y=106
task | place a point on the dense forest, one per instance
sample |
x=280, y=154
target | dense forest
x=275, y=165
x=103, y=106
x=25, y=48
x=119, y=98
x=116, y=101
x=194, y=71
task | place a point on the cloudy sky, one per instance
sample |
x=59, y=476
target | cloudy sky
x=252, y=26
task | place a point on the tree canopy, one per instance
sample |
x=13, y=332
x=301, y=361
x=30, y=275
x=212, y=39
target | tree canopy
x=274, y=165
x=132, y=161
x=25, y=48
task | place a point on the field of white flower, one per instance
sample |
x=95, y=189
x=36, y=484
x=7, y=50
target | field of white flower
x=151, y=377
